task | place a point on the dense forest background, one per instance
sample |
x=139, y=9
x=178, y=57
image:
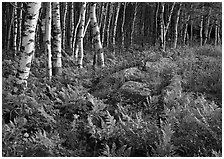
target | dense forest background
x=111, y=79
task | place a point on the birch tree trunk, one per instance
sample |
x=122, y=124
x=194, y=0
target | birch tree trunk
x=176, y=27
x=14, y=46
x=96, y=36
x=207, y=26
x=185, y=30
x=104, y=22
x=115, y=27
x=63, y=25
x=161, y=25
x=19, y=27
x=28, y=45
x=201, y=26
x=80, y=34
x=72, y=25
x=122, y=26
x=133, y=24
x=102, y=14
x=110, y=8
x=156, y=23
x=75, y=48
x=169, y=19
x=48, y=39
x=56, y=40
x=216, y=31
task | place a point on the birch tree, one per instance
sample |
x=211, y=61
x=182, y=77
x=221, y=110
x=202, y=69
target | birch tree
x=207, y=26
x=110, y=9
x=115, y=26
x=27, y=49
x=72, y=25
x=80, y=34
x=122, y=25
x=96, y=36
x=48, y=39
x=56, y=40
x=15, y=29
x=64, y=25
x=104, y=21
x=19, y=26
x=176, y=27
x=201, y=26
x=133, y=23
x=161, y=27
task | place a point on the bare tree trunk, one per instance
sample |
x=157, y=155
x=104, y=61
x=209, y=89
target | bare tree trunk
x=207, y=25
x=63, y=25
x=15, y=29
x=156, y=23
x=72, y=25
x=102, y=14
x=115, y=26
x=161, y=25
x=9, y=32
x=201, y=26
x=28, y=46
x=122, y=26
x=110, y=9
x=96, y=36
x=105, y=22
x=19, y=27
x=133, y=24
x=185, y=30
x=169, y=19
x=176, y=27
x=75, y=48
x=80, y=34
x=56, y=41
x=48, y=39
x=216, y=31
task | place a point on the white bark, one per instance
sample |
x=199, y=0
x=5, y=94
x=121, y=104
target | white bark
x=48, y=38
x=56, y=41
x=27, y=48
x=96, y=34
x=80, y=34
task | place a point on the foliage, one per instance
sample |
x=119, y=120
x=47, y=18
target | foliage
x=183, y=117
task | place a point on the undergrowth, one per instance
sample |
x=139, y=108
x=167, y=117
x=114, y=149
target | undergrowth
x=61, y=118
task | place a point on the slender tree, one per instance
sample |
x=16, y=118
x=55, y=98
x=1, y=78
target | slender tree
x=104, y=22
x=72, y=25
x=64, y=25
x=162, y=27
x=201, y=25
x=133, y=23
x=216, y=31
x=115, y=26
x=96, y=36
x=156, y=23
x=27, y=48
x=122, y=25
x=19, y=26
x=15, y=29
x=207, y=25
x=176, y=27
x=80, y=34
x=185, y=28
x=48, y=39
x=56, y=40
x=110, y=9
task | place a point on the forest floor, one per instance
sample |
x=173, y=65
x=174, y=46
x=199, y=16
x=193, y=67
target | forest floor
x=143, y=103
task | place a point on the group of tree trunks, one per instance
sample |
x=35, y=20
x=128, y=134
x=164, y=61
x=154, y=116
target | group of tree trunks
x=56, y=26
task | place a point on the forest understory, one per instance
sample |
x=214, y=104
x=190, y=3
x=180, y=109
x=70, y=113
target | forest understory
x=85, y=112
